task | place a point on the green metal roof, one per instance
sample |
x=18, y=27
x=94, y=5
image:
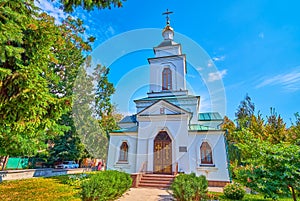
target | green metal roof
x=125, y=130
x=209, y=116
x=198, y=127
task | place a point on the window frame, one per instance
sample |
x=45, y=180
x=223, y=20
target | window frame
x=206, y=151
x=167, y=79
x=123, y=154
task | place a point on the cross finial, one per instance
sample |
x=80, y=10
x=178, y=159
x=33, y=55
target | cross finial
x=167, y=17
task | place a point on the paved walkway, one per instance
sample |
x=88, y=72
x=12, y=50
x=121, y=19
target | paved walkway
x=153, y=194
x=146, y=194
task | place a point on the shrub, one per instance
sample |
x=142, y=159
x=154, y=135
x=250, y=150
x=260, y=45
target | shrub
x=189, y=187
x=73, y=179
x=105, y=185
x=234, y=191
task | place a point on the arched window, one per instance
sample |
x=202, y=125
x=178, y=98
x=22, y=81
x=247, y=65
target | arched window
x=123, y=152
x=167, y=79
x=206, y=154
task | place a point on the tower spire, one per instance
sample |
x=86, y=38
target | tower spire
x=167, y=13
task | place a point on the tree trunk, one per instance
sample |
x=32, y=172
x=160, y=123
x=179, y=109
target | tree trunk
x=293, y=192
x=5, y=162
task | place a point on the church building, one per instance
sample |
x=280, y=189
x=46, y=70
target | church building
x=168, y=133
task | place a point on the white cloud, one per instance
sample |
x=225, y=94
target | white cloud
x=199, y=68
x=210, y=63
x=289, y=81
x=110, y=30
x=220, y=58
x=51, y=8
x=216, y=75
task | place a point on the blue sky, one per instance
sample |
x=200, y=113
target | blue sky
x=254, y=46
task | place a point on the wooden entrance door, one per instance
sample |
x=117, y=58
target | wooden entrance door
x=162, y=153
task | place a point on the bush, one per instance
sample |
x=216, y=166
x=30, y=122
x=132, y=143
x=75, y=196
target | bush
x=189, y=187
x=105, y=185
x=73, y=179
x=234, y=191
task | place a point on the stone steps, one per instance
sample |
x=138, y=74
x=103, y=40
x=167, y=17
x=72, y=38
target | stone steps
x=156, y=181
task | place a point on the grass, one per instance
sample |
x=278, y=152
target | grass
x=38, y=189
x=55, y=189
x=249, y=197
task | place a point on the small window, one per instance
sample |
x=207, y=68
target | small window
x=206, y=153
x=167, y=79
x=123, y=152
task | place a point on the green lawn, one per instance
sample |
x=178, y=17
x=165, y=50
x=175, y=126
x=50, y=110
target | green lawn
x=42, y=189
x=52, y=189
x=249, y=197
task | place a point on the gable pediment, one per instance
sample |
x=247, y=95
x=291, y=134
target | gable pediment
x=162, y=107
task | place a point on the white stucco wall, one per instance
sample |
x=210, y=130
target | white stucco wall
x=167, y=50
x=217, y=142
x=176, y=64
x=149, y=128
x=177, y=127
x=114, y=152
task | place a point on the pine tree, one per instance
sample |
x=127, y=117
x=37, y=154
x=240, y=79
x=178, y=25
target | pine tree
x=244, y=112
x=275, y=128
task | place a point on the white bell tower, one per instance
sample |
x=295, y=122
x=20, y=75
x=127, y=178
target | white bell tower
x=168, y=67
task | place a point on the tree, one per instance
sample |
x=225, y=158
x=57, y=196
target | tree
x=229, y=127
x=37, y=56
x=257, y=127
x=293, y=133
x=233, y=151
x=244, y=112
x=275, y=128
x=69, y=5
x=28, y=110
x=103, y=92
x=87, y=126
x=271, y=169
x=68, y=146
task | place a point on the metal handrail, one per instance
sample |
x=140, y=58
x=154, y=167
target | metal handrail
x=176, y=169
x=143, y=167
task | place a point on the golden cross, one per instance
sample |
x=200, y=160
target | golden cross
x=167, y=17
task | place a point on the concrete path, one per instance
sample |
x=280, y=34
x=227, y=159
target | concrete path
x=153, y=194
x=146, y=194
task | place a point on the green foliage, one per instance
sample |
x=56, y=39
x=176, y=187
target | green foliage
x=293, y=135
x=269, y=169
x=87, y=126
x=275, y=128
x=73, y=179
x=234, y=191
x=38, y=63
x=103, y=92
x=244, y=112
x=253, y=197
x=67, y=147
x=107, y=185
x=229, y=127
x=189, y=187
x=69, y=5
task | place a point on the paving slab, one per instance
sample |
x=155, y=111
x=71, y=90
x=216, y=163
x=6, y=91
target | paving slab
x=153, y=194
x=146, y=194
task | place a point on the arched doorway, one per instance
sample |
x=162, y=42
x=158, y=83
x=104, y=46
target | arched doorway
x=162, y=161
